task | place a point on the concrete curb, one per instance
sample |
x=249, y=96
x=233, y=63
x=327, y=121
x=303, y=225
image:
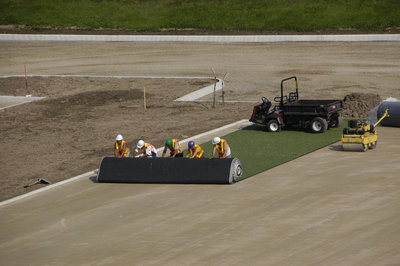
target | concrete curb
x=203, y=38
x=17, y=100
x=201, y=92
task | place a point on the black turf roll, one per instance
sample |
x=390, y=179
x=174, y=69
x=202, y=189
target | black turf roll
x=169, y=170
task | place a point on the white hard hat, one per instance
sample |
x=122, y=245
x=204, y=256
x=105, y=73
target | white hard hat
x=140, y=144
x=216, y=140
x=119, y=137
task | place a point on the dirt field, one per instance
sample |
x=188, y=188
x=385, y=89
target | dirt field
x=75, y=126
x=67, y=134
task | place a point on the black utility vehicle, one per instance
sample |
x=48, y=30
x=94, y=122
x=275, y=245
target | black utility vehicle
x=316, y=115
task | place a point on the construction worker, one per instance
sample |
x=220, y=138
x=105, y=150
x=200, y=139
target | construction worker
x=147, y=149
x=175, y=149
x=194, y=151
x=221, y=145
x=121, y=147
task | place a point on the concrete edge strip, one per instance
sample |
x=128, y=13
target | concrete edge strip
x=201, y=92
x=69, y=180
x=228, y=101
x=24, y=100
x=203, y=38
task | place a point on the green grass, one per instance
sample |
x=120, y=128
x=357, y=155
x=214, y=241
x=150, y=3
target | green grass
x=213, y=15
x=259, y=150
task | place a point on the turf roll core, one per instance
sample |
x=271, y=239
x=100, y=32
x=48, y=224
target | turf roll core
x=170, y=170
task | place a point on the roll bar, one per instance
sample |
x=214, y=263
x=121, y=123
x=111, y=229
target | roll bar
x=292, y=95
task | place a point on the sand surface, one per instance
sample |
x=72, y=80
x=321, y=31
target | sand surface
x=329, y=207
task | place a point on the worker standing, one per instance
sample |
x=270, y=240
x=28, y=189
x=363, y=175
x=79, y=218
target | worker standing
x=194, y=150
x=175, y=149
x=147, y=149
x=121, y=147
x=221, y=145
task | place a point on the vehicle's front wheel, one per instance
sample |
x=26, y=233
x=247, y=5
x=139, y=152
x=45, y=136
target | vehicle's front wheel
x=318, y=125
x=273, y=126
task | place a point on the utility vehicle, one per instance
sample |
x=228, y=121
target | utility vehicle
x=290, y=111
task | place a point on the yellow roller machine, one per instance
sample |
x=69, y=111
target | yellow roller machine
x=361, y=136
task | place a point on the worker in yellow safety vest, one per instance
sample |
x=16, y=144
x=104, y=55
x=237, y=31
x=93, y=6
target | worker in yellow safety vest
x=194, y=151
x=175, y=149
x=147, y=149
x=121, y=149
x=221, y=145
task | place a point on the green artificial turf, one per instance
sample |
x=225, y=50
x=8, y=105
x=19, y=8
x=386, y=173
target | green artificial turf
x=259, y=150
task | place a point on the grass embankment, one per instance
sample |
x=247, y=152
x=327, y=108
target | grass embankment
x=259, y=150
x=210, y=15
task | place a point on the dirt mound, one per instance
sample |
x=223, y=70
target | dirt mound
x=357, y=105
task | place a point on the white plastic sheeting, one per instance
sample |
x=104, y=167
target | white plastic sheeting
x=394, y=112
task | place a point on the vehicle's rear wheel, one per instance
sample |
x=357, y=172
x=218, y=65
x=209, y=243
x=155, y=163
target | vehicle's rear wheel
x=318, y=125
x=273, y=126
x=373, y=145
x=337, y=122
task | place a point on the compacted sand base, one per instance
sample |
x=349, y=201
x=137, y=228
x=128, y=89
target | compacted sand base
x=329, y=207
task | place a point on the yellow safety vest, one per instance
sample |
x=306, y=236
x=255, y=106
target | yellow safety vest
x=220, y=147
x=199, y=154
x=144, y=148
x=119, y=149
x=172, y=148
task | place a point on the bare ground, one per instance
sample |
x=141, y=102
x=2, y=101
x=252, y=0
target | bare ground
x=69, y=132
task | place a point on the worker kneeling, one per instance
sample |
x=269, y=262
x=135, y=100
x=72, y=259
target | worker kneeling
x=221, y=145
x=147, y=149
x=121, y=147
x=194, y=151
x=175, y=149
